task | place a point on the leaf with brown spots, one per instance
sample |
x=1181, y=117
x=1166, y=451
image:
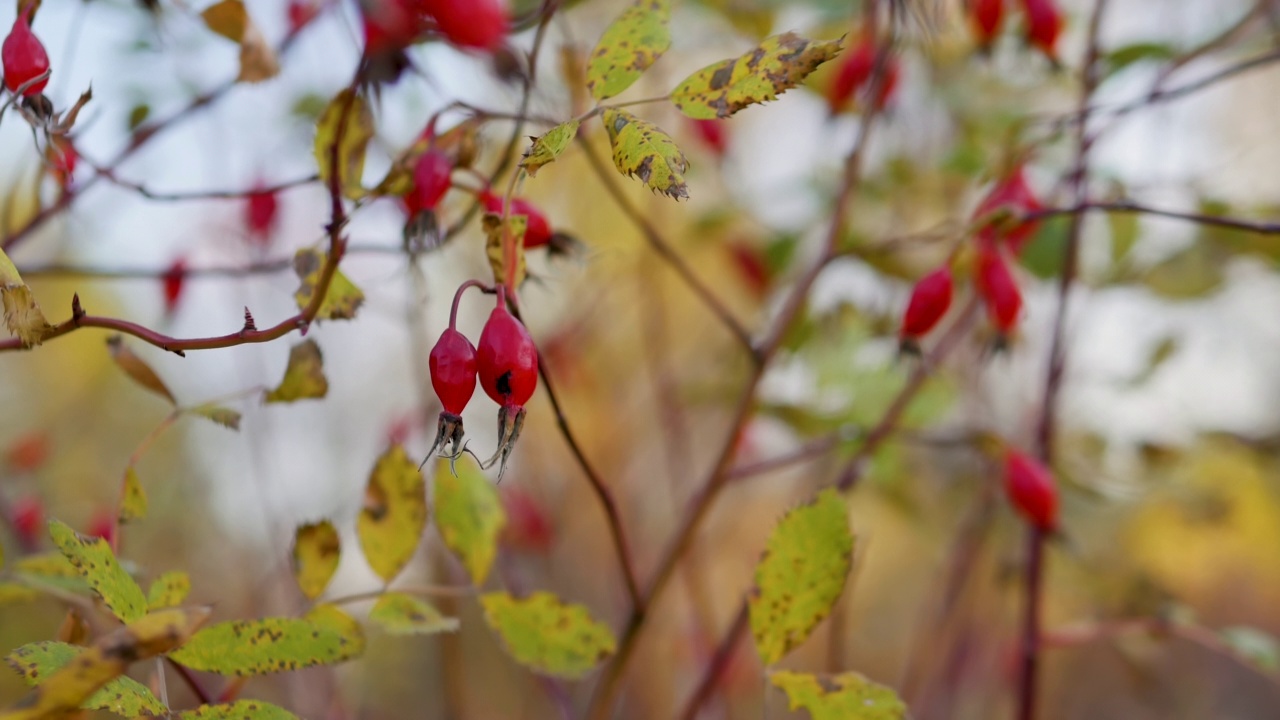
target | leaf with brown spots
x=548, y=636
x=238, y=710
x=49, y=569
x=469, y=515
x=505, y=249
x=168, y=590
x=801, y=575
x=394, y=514
x=259, y=647
x=847, y=696
x=780, y=62
x=343, y=298
x=548, y=146
x=303, y=376
x=316, y=552
x=97, y=564
x=631, y=43
x=137, y=368
x=133, y=499
x=122, y=696
x=401, y=614
x=641, y=149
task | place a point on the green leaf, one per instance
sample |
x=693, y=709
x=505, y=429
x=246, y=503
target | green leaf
x=238, y=710
x=778, y=64
x=1044, y=253
x=133, y=499
x=122, y=696
x=469, y=515
x=801, y=575
x=335, y=619
x=401, y=614
x=1257, y=646
x=548, y=636
x=226, y=417
x=347, y=123
x=316, y=552
x=303, y=376
x=343, y=298
x=1124, y=233
x=1126, y=55
x=505, y=250
x=848, y=696
x=631, y=43
x=394, y=513
x=641, y=149
x=138, y=114
x=12, y=593
x=93, y=559
x=168, y=590
x=1189, y=274
x=22, y=314
x=547, y=148
x=257, y=647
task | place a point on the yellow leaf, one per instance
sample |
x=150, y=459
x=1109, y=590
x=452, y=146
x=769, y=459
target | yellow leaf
x=547, y=148
x=334, y=619
x=238, y=710
x=631, y=43
x=505, y=249
x=303, y=377
x=548, y=636
x=22, y=315
x=643, y=150
x=469, y=515
x=778, y=64
x=227, y=18
x=848, y=696
x=394, y=513
x=168, y=590
x=136, y=368
x=11, y=593
x=257, y=60
x=97, y=564
x=121, y=696
x=346, y=125
x=343, y=297
x=316, y=552
x=133, y=500
x=226, y=417
x=245, y=648
x=401, y=614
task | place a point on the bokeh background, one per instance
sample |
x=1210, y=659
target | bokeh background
x=1170, y=425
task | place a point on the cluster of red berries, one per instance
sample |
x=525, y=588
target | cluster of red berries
x=1043, y=23
x=506, y=364
x=391, y=25
x=1002, y=229
x=24, y=58
x=855, y=74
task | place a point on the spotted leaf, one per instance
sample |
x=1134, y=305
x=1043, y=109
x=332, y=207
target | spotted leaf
x=401, y=614
x=316, y=552
x=848, y=696
x=271, y=645
x=469, y=516
x=548, y=636
x=631, y=43
x=547, y=147
x=122, y=696
x=641, y=149
x=97, y=564
x=778, y=64
x=394, y=513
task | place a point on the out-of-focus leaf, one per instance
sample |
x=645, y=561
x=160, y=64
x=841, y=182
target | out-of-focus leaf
x=343, y=298
x=316, y=552
x=303, y=376
x=469, y=515
x=1126, y=55
x=228, y=18
x=394, y=513
x=168, y=590
x=547, y=147
x=11, y=593
x=133, y=499
x=138, y=114
x=258, y=61
x=122, y=696
x=1044, y=253
x=401, y=614
x=778, y=64
x=505, y=249
x=137, y=369
x=22, y=314
x=1124, y=233
x=238, y=710
x=641, y=149
x=336, y=620
x=224, y=416
x=347, y=123
x=631, y=43
x=848, y=696
x=1258, y=646
x=309, y=107
x=548, y=636
x=97, y=564
x=258, y=647
x=1189, y=274
x=801, y=575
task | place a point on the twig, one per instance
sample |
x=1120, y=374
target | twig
x=191, y=681
x=1126, y=206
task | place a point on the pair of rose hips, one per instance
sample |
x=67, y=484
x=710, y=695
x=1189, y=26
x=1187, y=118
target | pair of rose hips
x=24, y=58
x=1043, y=23
x=506, y=363
x=999, y=227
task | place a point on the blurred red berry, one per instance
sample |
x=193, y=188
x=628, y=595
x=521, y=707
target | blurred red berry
x=537, y=231
x=1031, y=489
x=26, y=515
x=300, y=13
x=174, y=282
x=930, y=300
x=1043, y=26
x=712, y=133
x=431, y=179
x=62, y=158
x=480, y=24
x=529, y=528
x=1011, y=195
x=987, y=17
x=28, y=452
x=24, y=57
x=389, y=25
x=855, y=73
x=998, y=288
x=261, y=215
x=750, y=262
x=103, y=525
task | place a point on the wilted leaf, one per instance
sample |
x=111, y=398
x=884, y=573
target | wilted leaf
x=137, y=368
x=133, y=499
x=228, y=18
x=347, y=123
x=469, y=516
x=238, y=710
x=224, y=416
x=548, y=636
x=778, y=64
x=848, y=696
x=505, y=249
x=22, y=315
x=258, y=647
x=631, y=43
x=11, y=593
x=343, y=298
x=316, y=552
x=394, y=513
x=257, y=60
x=643, y=150
x=547, y=148
x=122, y=696
x=168, y=590
x=303, y=377
x=97, y=564
x=401, y=614
x=801, y=575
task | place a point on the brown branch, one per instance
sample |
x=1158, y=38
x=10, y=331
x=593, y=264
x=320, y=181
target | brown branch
x=191, y=681
x=1127, y=206
x=261, y=267
x=110, y=176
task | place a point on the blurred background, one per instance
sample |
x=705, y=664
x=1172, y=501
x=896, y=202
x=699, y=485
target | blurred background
x=1169, y=433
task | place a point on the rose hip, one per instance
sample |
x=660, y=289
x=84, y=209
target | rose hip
x=1031, y=489
x=24, y=57
x=930, y=300
x=537, y=230
x=998, y=288
x=508, y=365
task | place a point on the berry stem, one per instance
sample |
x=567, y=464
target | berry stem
x=457, y=299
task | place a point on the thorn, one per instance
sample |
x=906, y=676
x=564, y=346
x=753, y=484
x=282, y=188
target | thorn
x=77, y=311
x=249, y=326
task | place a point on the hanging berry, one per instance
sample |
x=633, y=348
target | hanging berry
x=998, y=288
x=453, y=376
x=431, y=179
x=529, y=528
x=1012, y=195
x=62, y=158
x=987, y=16
x=24, y=57
x=261, y=215
x=26, y=517
x=1043, y=26
x=713, y=134
x=930, y=300
x=479, y=24
x=537, y=230
x=1031, y=489
x=174, y=283
x=856, y=72
x=389, y=26
x=508, y=364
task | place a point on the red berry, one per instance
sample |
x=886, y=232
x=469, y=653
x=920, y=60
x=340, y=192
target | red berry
x=528, y=526
x=987, y=17
x=508, y=360
x=24, y=57
x=27, y=517
x=1011, y=195
x=430, y=182
x=930, y=300
x=1031, y=489
x=62, y=157
x=300, y=13
x=453, y=370
x=998, y=288
x=174, y=282
x=389, y=25
x=28, y=453
x=477, y=24
x=261, y=215
x=1044, y=25
x=103, y=525
x=713, y=134
x=752, y=266
x=537, y=230
x=856, y=72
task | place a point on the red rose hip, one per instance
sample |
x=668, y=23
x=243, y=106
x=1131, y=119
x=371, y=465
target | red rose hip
x=479, y=24
x=24, y=58
x=1032, y=490
x=537, y=230
x=508, y=364
x=930, y=300
x=998, y=288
